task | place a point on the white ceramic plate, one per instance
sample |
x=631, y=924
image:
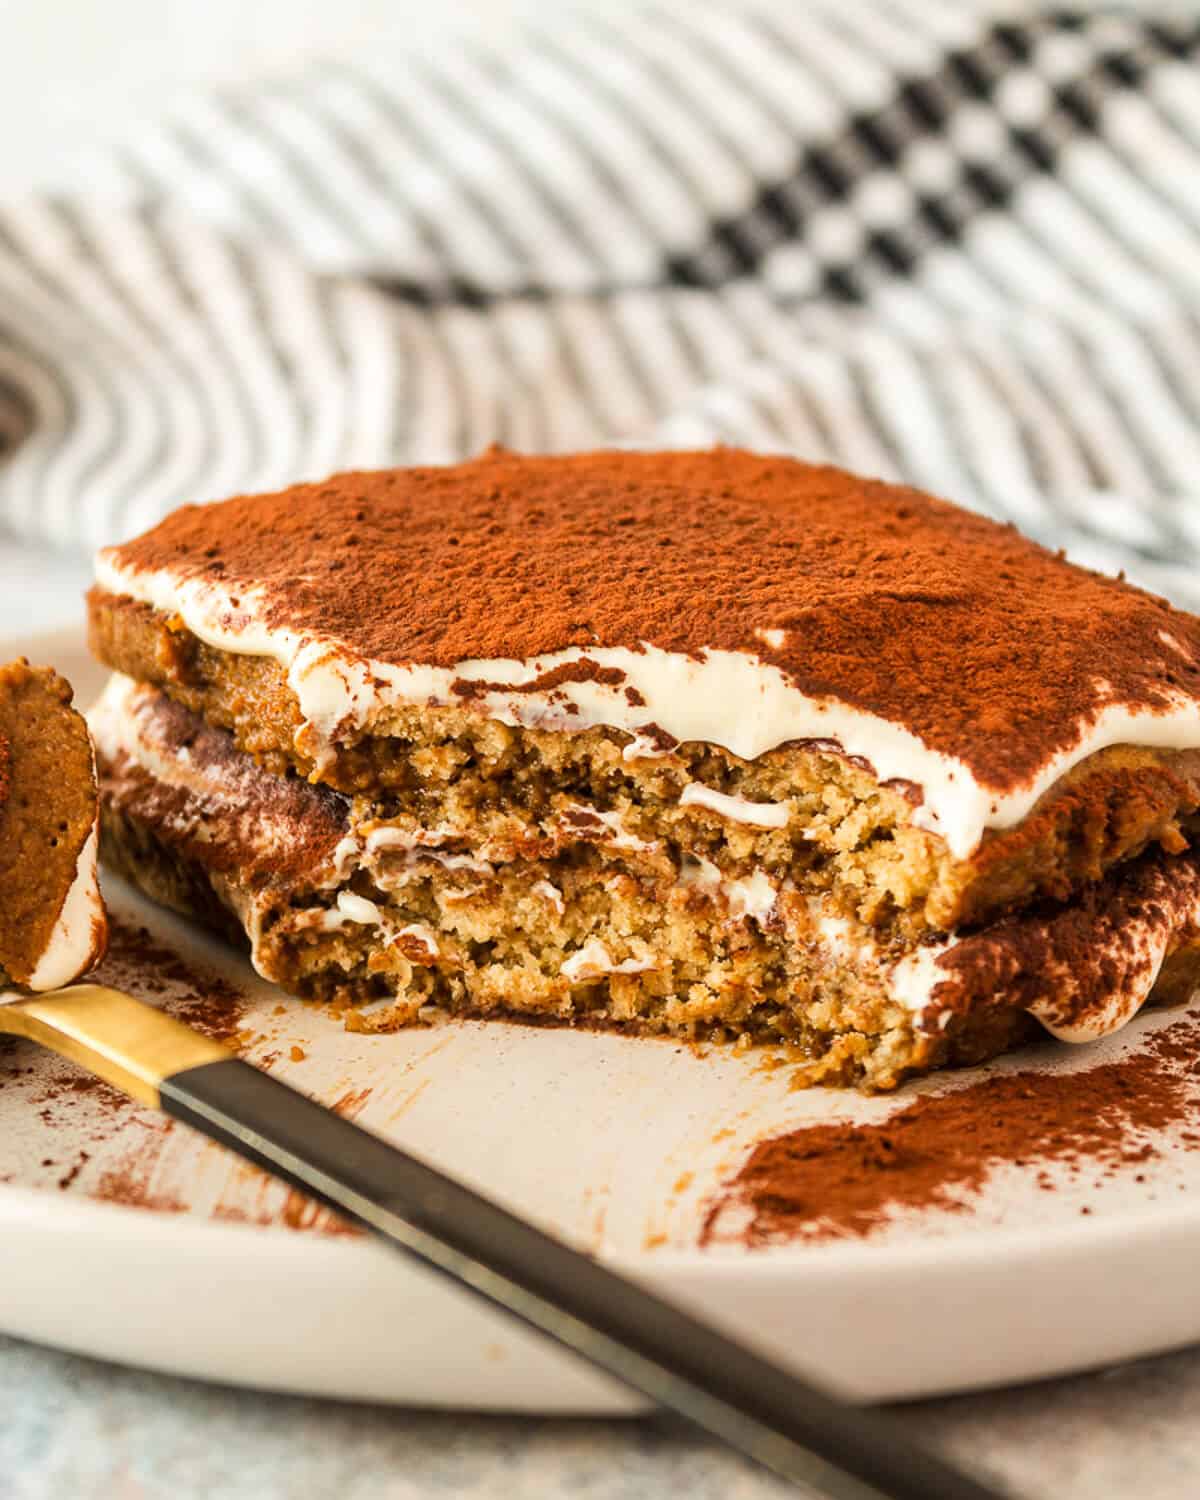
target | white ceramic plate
x=126, y=1237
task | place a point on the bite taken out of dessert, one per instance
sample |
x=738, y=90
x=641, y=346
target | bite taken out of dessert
x=52, y=921
x=704, y=744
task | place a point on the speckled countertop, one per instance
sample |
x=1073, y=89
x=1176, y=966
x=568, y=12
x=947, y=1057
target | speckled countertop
x=76, y=1428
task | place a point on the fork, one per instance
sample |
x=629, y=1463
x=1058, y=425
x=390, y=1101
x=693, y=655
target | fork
x=773, y=1417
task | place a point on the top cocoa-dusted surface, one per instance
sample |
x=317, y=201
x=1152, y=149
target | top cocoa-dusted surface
x=985, y=645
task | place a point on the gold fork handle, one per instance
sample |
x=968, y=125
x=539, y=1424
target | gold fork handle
x=124, y=1041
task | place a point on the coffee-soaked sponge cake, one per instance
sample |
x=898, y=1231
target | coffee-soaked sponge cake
x=689, y=742
x=52, y=925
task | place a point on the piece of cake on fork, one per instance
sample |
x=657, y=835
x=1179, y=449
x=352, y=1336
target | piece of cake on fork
x=703, y=744
x=52, y=922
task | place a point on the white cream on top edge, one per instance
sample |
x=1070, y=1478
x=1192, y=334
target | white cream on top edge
x=726, y=698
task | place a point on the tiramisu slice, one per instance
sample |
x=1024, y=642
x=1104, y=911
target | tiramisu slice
x=52, y=924
x=696, y=743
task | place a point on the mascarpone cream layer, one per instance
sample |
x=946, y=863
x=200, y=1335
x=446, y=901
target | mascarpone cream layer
x=728, y=698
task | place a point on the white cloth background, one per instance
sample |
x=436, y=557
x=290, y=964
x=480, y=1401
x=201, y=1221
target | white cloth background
x=955, y=244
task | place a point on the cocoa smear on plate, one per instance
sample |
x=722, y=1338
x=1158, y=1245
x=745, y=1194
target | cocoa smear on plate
x=138, y=962
x=848, y=1180
x=147, y=968
x=819, y=1182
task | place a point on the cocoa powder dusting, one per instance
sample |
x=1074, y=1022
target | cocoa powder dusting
x=138, y=962
x=844, y=1181
x=201, y=998
x=307, y=820
x=131, y=1185
x=1075, y=963
x=987, y=646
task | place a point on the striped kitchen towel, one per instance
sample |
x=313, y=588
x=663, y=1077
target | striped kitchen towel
x=955, y=243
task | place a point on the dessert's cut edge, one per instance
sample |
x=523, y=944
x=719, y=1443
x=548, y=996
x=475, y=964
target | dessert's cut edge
x=395, y=922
